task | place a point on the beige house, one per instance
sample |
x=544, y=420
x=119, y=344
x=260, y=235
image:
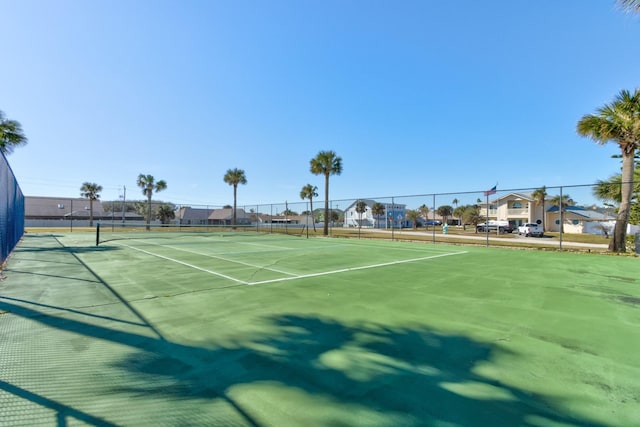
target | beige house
x=517, y=208
x=520, y=208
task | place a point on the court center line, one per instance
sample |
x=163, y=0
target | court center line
x=186, y=264
x=364, y=267
x=283, y=279
x=227, y=260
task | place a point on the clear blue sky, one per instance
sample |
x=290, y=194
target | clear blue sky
x=416, y=97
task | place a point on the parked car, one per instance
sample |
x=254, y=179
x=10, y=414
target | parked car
x=500, y=226
x=531, y=229
x=433, y=222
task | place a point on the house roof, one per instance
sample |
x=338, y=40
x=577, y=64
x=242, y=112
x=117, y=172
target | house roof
x=188, y=213
x=227, y=213
x=583, y=213
x=60, y=207
x=526, y=196
x=370, y=203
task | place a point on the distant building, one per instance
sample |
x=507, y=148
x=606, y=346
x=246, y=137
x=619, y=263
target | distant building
x=201, y=216
x=67, y=212
x=394, y=216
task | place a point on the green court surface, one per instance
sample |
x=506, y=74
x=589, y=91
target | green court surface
x=232, y=329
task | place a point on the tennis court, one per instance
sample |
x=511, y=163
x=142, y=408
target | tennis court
x=251, y=329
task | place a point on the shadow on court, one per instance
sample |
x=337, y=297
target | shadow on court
x=306, y=369
x=408, y=376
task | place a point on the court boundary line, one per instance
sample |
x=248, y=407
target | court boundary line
x=295, y=277
x=186, y=264
x=362, y=267
x=226, y=259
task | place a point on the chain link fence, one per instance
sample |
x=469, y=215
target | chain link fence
x=565, y=216
x=11, y=210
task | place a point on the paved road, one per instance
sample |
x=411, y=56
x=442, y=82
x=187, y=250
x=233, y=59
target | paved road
x=546, y=241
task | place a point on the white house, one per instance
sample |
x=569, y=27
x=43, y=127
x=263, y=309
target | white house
x=394, y=215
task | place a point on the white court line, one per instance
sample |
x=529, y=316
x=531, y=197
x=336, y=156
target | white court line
x=364, y=267
x=303, y=276
x=186, y=264
x=226, y=259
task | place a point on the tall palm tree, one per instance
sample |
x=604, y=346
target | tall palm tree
x=149, y=185
x=234, y=177
x=629, y=5
x=91, y=191
x=309, y=192
x=618, y=122
x=11, y=135
x=455, y=202
x=539, y=196
x=609, y=190
x=326, y=163
x=377, y=210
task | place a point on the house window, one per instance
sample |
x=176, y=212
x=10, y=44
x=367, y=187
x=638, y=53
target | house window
x=60, y=206
x=575, y=222
x=557, y=221
x=516, y=205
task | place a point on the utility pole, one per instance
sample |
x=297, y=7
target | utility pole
x=124, y=200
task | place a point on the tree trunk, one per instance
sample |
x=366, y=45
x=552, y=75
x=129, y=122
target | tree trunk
x=326, y=205
x=618, y=243
x=149, y=211
x=235, y=193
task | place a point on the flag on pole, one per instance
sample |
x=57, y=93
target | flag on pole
x=492, y=191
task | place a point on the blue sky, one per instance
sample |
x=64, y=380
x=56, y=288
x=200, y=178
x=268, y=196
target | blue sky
x=417, y=97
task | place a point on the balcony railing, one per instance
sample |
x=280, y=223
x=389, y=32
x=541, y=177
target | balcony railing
x=518, y=212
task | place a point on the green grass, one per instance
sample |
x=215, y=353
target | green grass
x=274, y=330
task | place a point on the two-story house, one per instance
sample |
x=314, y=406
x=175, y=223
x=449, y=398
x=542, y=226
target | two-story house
x=517, y=208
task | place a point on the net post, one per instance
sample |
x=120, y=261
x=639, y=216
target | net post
x=97, y=234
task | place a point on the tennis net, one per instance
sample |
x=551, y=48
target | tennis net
x=111, y=231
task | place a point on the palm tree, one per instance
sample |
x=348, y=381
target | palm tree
x=361, y=207
x=424, y=212
x=459, y=213
x=472, y=216
x=609, y=190
x=413, y=215
x=11, y=135
x=91, y=191
x=445, y=212
x=326, y=163
x=632, y=6
x=562, y=203
x=309, y=192
x=234, y=177
x=618, y=122
x=539, y=195
x=149, y=185
x=455, y=202
x=377, y=210
x=166, y=213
